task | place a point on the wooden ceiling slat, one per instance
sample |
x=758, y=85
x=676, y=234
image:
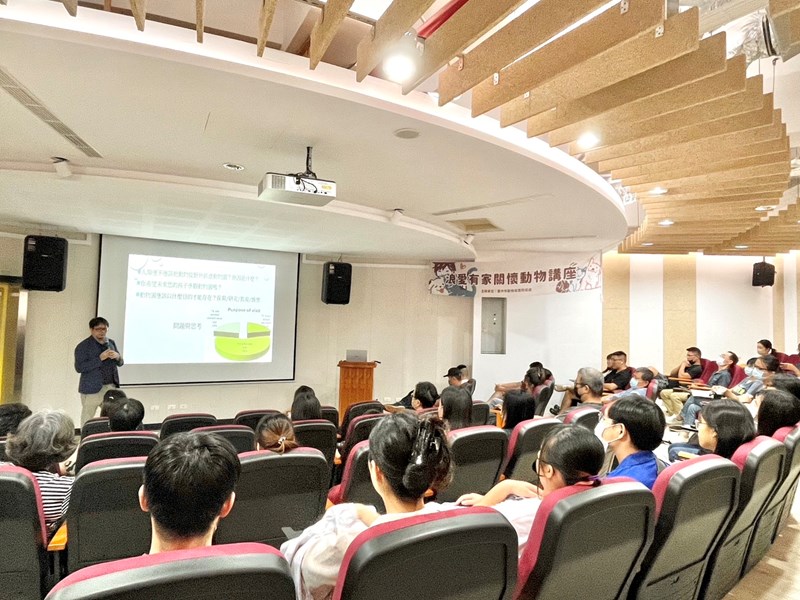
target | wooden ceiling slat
x=139, y=10
x=531, y=29
x=742, y=122
x=779, y=8
x=264, y=24
x=726, y=153
x=325, y=29
x=70, y=5
x=782, y=157
x=731, y=140
x=653, y=204
x=706, y=62
x=763, y=183
x=673, y=102
x=466, y=26
x=393, y=24
x=200, y=11
x=743, y=102
x=591, y=39
x=722, y=177
x=628, y=59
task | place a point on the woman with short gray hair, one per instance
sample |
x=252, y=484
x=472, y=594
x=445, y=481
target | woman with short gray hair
x=41, y=442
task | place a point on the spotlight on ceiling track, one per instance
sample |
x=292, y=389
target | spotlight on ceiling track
x=403, y=61
x=588, y=140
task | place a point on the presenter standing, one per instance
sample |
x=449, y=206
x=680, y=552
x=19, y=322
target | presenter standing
x=96, y=359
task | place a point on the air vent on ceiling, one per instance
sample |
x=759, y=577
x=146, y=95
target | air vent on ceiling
x=475, y=225
x=29, y=101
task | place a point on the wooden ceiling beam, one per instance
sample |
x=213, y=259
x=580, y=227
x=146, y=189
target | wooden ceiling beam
x=70, y=5
x=731, y=81
x=139, y=10
x=531, y=29
x=713, y=145
x=742, y=122
x=778, y=8
x=333, y=15
x=264, y=24
x=634, y=56
x=466, y=26
x=200, y=11
x=650, y=204
x=705, y=62
x=389, y=29
x=592, y=39
x=779, y=171
x=742, y=102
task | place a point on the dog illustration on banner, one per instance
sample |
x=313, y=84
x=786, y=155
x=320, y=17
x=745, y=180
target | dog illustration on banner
x=453, y=280
x=588, y=277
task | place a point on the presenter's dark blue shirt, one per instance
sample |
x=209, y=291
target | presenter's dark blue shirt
x=95, y=373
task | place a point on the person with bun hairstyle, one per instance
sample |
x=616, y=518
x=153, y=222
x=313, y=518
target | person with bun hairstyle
x=276, y=434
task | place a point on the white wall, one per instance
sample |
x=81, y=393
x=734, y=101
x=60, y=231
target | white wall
x=646, y=311
x=790, y=312
x=416, y=336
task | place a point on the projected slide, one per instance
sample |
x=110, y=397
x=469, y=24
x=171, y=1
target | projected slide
x=187, y=310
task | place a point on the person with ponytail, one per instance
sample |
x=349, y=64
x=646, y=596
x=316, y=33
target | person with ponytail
x=276, y=434
x=407, y=456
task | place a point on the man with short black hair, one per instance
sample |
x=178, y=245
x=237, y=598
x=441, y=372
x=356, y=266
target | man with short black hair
x=619, y=376
x=126, y=415
x=691, y=368
x=632, y=428
x=97, y=360
x=189, y=481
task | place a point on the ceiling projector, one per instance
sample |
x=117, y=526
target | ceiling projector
x=297, y=188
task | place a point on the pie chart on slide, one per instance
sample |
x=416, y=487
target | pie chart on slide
x=242, y=341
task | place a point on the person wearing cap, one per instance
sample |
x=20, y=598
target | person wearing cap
x=455, y=377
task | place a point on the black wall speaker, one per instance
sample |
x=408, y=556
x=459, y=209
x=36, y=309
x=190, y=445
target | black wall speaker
x=44, y=264
x=763, y=274
x=336, y=282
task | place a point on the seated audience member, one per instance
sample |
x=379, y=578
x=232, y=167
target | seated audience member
x=776, y=409
x=188, y=486
x=719, y=381
x=722, y=426
x=764, y=348
x=632, y=428
x=276, y=434
x=456, y=378
x=639, y=382
x=533, y=382
x=41, y=442
x=110, y=399
x=690, y=369
x=587, y=391
x=455, y=407
x=764, y=368
x=305, y=406
x=11, y=415
x=517, y=407
x=620, y=376
x=787, y=383
x=424, y=396
x=126, y=416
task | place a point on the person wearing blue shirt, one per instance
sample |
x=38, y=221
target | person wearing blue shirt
x=632, y=428
x=97, y=360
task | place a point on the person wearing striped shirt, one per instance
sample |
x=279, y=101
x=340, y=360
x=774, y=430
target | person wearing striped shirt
x=41, y=442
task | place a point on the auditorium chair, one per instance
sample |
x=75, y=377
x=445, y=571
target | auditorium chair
x=709, y=368
x=250, y=418
x=587, y=542
x=478, y=453
x=469, y=554
x=737, y=375
x=276, y=491
x=761, y=464
x=95, y=425
x=356, y=410
x=115, y=444
x=23, y=555
x=356, y=483
x=241, y=437
x=104, y=520
x=232, y=572
x=182, y=423
x=523, y=448
x=319, y=434
x=583, y=416
x=695, y=500
x=790, y=494
x=543, y=399
x=480, y=412
x=357, y=431
x=331, y=413
x=767, y=525
x=652, y=390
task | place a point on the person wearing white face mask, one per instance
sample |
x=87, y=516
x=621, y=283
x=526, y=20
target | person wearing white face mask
x=720, y=380
x=632, y=429
x=763, y=368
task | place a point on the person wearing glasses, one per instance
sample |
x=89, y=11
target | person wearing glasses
x=722, y=426
x=97, y=360
x=587, y=391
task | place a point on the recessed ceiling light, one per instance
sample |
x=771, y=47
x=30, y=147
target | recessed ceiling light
x=766, y=207
x=741, y=247
x=406, y=133
x=666, y=223
x=233, y=167
x=658, y=191
x=588, y=140
x=403, y=60
x=647, y=243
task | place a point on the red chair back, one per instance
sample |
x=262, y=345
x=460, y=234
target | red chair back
x=478, y=454
x=709, y=368
x=356, y=483
x=319, y=434
x=241, y=437
x=186, y=422
x=737, y=375
x=115, y=444
x=250, y=418
x=523, y=448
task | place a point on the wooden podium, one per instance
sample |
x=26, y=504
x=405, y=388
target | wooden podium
x=355, y=384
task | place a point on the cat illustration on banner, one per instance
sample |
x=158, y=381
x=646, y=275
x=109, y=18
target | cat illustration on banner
x=588, y=277
x=450, y=280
